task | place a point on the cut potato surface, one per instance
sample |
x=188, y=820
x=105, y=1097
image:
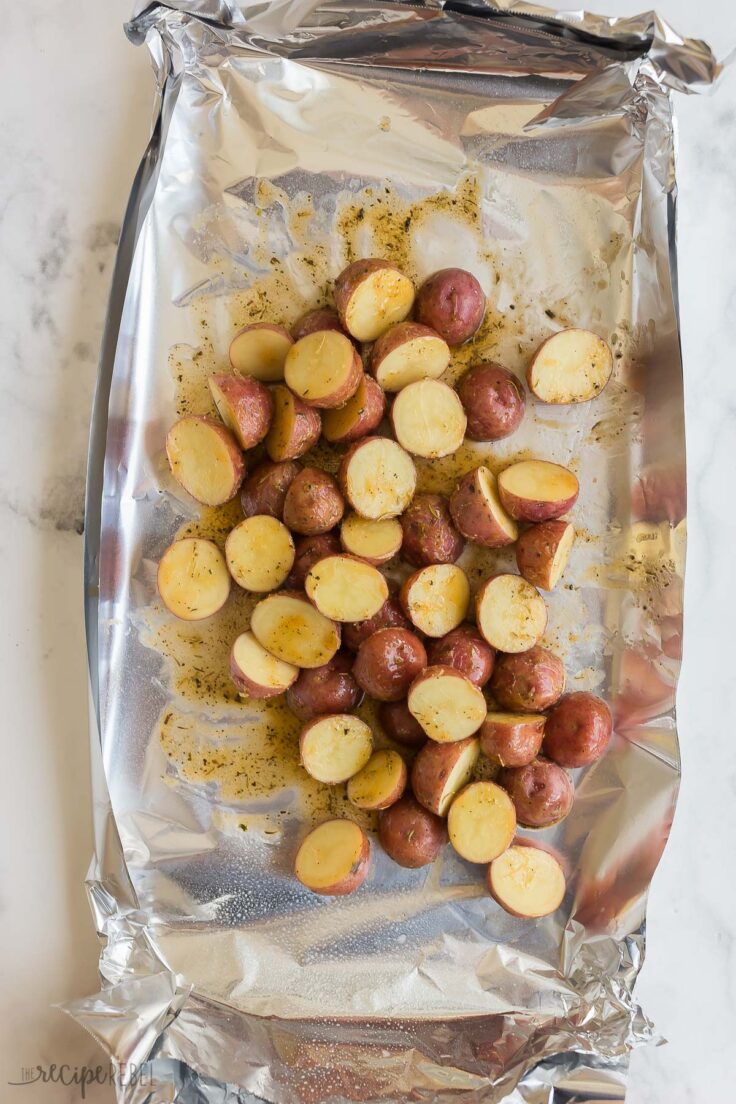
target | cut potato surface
x=193, y=579
x=441, y=770
x=323, y=369
x=259, y=553
x=537, y=490
x=255, y=672
x=478, y=513
x=288, y=626
x=446, y=704
x=344, y=588
x=406, y=353
x=436, y=598
x=510, y=613
x=380, y=783
x=428, y=419
x=205, y=459
x=295, y=427
x=570, y=367
x=260, y=351
x=370, y=296
x=245, y=406
x=336, y=747
x=378, y=478
x=481, y=822
x=375, y=541
x=527, y=881
x=333, y=859
x=542, y=552
x=360, y=415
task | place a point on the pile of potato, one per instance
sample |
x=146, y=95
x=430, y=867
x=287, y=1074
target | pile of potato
x=330, y=627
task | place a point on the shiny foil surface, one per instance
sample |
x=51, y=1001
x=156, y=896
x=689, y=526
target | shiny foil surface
x=536, y=150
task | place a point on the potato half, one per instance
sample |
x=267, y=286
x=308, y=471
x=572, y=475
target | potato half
x=436, y=598
x=527, y=882
x=288, y=626
x=193, y=579
x=256, y=673
x=478, y=512
x=295, y=427
x=345, y=588
x=333, y=859
x=570, y=367
x=428, y=419
x=481, y=822
x=259, y=553
x=378, y=478
x=537, y=490
x=205, y=459
x=510, y=613
x=542, y=552
x=380, y=783
x=335, y=747
x=406, y=353
x=323, y=369
x=370, y=296
x=259, y=350
x=441, y=770
x=376, y=542
x=446, y=704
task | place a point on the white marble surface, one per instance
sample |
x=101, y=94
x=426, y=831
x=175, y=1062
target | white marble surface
x=76, y=108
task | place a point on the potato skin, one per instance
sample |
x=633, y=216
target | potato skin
x=511, y=745
x=388, y=662
x=398, y=335
x=250, y=404
x=542, y=792
x=535, y=551
x=370, y=408
x=313, y=503
x=494, y=402
x=528, y=682
x=431, y=768
x=328, y=689
x=430, y=536
x=265, y=488
x=578, y=730
x=351, y=277
x=322, y=318
x=410, y=834
x=465, y=650
x=400, y=726
x=304, y=432
x=452, y=303
x=354, y=879
x=309, y=550
x=390, y=616
x=471, y=516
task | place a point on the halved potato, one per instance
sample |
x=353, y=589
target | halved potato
x=510, y=613
x=570, y=367
x=345, y=588
x=542, y=552
x=259, y=553
x=256, y=673
x=321, y=318
x=512, y=739
x=376, y=542
x=370, y=296
x=436, y=598
x=446, y=704
x=360, y=415
x=259, y=350
x=333, y=859
x=323, y=369
x=378, y=478
x=380, y=783
x=295, y=427
x=441, y=770
x=537, y=490
x=288, y=626
x=335, y=747
x=477, y=511
x=527, y=882
x=193, y=579
x=481, y=822
x=245, y=406
x=406, y=353
x=205, y=459
x=428, y=419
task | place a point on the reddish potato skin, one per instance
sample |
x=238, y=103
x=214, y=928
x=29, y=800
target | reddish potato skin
x=400, y=726
x=431, y=768
x=410, y=834
x=372, y=409
x=388, y=662
x=399, y=334
x=251, y=405
x=465, y=650
x=351, y=277
x=452, y=303
x=535, y=551
x=305, y=431
x=320, y=319
x=313, y=503
x=390, y=616
x=511, y=745
x=542, y=792
x=265, y=488
x=533, y=510
x=470, y=517
x=309, y=550
x=430, y=536
x=328, y=689
x=494, y=402
x=578, y=730
x=528, y=682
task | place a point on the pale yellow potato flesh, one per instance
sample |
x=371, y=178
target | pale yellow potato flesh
x=376, y=541
x=259, y=553
x=333, y=859
x=570, y=367
x=380, y=782
x=205, y=459
x=380, y=479
x=428, y=419
x=527, y=881
x=193, y=579
x=448, y=707
x=380, y=299
x=319, y=365
x=511, y=613
x=481, y=822
x=438, y=598
x=346, y=589
x=417, y=359
x=258, y=666
x=336, y=747
x=561, y=556
x=260, y=352
x=293, y=630
x=539, y=481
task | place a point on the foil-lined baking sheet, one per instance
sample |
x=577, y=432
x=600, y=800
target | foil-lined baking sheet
x=292, y=137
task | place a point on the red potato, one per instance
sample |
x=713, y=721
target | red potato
x=481, y=822
x=295, y=427
x=570, y=367
x=308, y=551
x=528, y=682
x=260, y=350
x=406, y=353
x=256, y=673
x=441, y=770
x=390, y=616
x=313, y=503
x=493, y=400
x=193, y=579
x=370, y=296
x=388, y=662
x=245, y=406
x=333, y=859
x=436, y=598
x=205, y=459
x=465, y=650
x=429, y=535
x=378, y=478
x=327, y=689
x=578, y=730
x=542, y=552
x=380, y=783
x=512, y=739
x=376, y=542
x=477, y=511
x=399, y=725
x=410, y=834
x=527, y=882
x=451, y=302
x=428, y=419
x=510, y=613
x=446, y=704
x=323, y=369
x=536, y=490
x=345, y=588
x=320, y=319
x=288, y=626
x=335, y=747
x=541, y=791
x=259, y=553
x=359, y=416
x=264, y=490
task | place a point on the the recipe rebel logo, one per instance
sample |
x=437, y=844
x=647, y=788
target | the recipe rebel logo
x=83, y=1077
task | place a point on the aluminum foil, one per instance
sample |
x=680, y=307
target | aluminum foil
x=536, y=150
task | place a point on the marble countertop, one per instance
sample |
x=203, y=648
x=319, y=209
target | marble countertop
x=77, y=111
